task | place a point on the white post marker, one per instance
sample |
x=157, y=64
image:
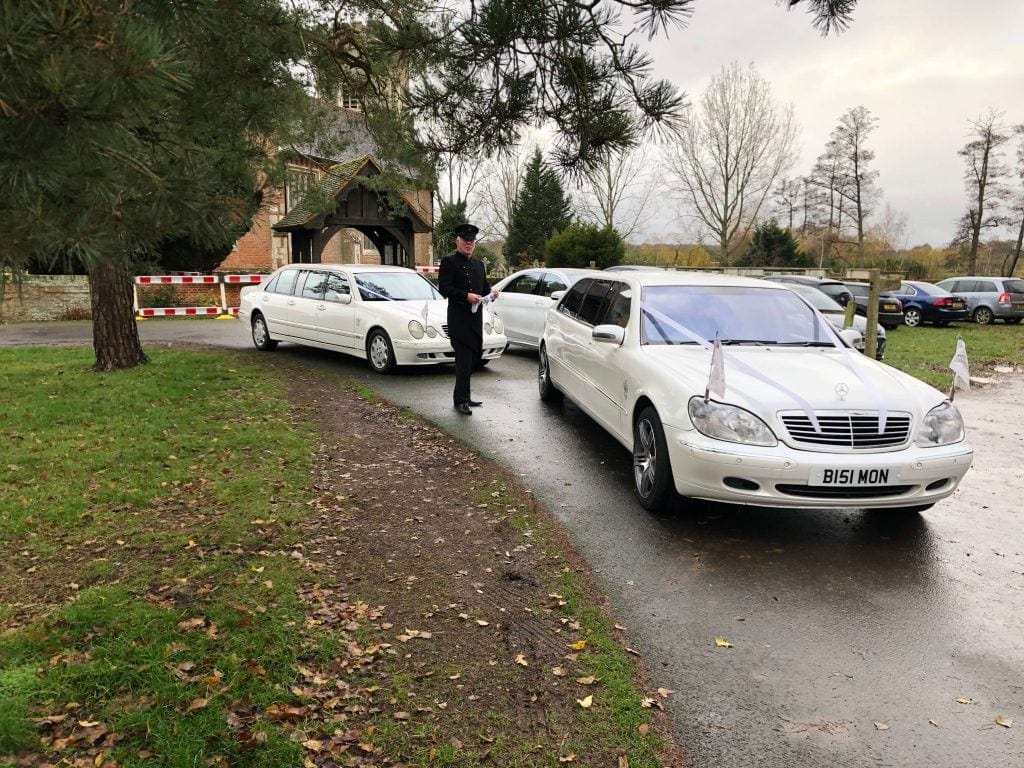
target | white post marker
x=961, y=369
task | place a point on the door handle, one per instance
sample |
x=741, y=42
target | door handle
x=321, y=306
x=291, y=302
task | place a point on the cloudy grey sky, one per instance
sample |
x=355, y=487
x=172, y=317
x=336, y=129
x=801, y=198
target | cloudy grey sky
x=924, y=68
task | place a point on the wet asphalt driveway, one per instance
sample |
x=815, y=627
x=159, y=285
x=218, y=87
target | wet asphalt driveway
x=859, y=639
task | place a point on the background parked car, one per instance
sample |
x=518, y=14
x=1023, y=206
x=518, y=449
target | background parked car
x=928, y=303
x=989, y=298
x=834, y=289
x=890, y=310
x=836, y=315
x=390, y=316
x=526, y=298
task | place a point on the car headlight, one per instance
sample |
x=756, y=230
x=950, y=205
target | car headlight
x=941, y=426
x=488, y=329
x=416, y=329
x=431, y=331
x=729, y=423
x=499, y=327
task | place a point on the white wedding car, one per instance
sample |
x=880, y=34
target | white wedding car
x=804, y=421
x=390, y=316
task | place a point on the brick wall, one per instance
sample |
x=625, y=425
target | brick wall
x=46, y=297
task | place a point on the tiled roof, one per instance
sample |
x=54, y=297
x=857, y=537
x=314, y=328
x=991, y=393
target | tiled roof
x=333, y=183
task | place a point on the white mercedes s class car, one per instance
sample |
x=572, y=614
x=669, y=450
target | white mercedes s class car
x=390, y=316
x=792, y=416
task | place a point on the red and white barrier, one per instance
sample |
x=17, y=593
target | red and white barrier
x=431, y=269
x=192, y=279
x=178, y=311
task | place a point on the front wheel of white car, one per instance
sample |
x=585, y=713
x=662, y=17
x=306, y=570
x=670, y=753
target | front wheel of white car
x=652, y=471
x=379, y=352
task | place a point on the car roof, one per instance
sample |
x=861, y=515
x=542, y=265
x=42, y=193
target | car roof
x=804, y=279
x=667, y=277
x=353, y=267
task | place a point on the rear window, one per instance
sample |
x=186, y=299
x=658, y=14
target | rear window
x=1014, y=286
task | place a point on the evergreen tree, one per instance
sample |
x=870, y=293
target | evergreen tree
x=771, y=246
x=444, y=231
x=541, y=208
x=579, y=244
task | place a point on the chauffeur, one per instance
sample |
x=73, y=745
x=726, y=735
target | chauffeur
x=461, y=280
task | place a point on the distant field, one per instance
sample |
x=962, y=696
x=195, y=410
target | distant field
x=925, y=351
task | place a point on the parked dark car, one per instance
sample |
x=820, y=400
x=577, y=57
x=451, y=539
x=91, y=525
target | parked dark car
x=928, y=303
x=989, y=298
x=890, y=310
x=834, y=289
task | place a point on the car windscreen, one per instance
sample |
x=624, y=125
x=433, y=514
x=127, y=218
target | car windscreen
x=395, y=286
x=738, y=315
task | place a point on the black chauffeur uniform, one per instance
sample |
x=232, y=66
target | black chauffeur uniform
x=458, y=276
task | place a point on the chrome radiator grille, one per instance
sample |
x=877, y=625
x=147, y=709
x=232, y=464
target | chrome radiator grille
x=857, y=430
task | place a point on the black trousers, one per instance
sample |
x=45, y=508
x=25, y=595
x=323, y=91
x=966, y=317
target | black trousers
x=467, y=358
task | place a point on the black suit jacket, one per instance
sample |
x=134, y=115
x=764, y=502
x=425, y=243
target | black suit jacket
x=457, y=277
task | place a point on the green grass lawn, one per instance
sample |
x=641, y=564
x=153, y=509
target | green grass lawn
x=127, y=505
x=925, y=351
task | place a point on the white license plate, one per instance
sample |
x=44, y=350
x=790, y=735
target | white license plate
x=856, y=477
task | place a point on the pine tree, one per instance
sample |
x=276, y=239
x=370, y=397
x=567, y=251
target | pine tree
x=771, y=246
x=540, y=209
x=444, y=231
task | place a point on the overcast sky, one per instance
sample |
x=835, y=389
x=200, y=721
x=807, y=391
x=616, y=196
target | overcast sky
x=924, y=68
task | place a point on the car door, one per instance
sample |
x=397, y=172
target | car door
x=274, y=302
x=304, y=311
x=337, y=313
x=562, y=336
x=521, y=310
x=551, y=282
x=605, y=365
x=582, y=350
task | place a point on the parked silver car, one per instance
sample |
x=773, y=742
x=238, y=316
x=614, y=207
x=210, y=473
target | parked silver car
x=989, y=298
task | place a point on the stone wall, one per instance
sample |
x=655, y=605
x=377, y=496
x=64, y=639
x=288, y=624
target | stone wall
x=46, y=297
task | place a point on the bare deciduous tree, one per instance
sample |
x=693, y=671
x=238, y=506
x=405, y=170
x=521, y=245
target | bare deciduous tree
x=850, y=137
x=1017, y=204
x=616, y=194
x=983, y=180
x=731, y=148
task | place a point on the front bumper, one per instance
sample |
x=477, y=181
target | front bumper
x=428, y=351
x=784, y=477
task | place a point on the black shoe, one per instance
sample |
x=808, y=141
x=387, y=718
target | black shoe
x=464, y=409
x=475, y=403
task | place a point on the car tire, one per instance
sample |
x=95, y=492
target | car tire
x=549, y=393
x=379, y=352
x=983, y=316
x=652, y=470
x=261, y=334
x=912, y=317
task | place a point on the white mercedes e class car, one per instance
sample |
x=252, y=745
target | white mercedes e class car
x=792, y=417
x=526, y=297
x=390, y=316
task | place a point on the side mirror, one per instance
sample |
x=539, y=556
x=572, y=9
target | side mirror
x=556, y=295
x=339, y=298
x=608, y=333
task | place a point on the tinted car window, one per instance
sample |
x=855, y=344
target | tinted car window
x=522, y=284
x=271, y=287
x=857, y=290
x=574, y=298
x=313, y=287
x=1014, y=286
x=617, y=306
x=337, y=285
x=984, y=285
x=552, y=283
x=286, y=281
x=593, y=302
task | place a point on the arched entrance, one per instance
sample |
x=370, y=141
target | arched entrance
x=356, y=206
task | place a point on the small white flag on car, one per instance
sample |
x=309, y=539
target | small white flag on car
x=960, y=368
x=716, y=380
x=424, y=313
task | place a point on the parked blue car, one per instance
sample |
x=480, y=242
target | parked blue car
x=928, y=303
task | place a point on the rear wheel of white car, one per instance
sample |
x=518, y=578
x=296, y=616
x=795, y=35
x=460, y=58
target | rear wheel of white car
x=379, y=352
x=549, y=393
x=261, y=335
x=652, y=471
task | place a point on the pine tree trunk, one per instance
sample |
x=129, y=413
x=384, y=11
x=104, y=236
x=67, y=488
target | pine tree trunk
x=115, y=335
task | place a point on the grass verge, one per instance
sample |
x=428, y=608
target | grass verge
x=925, y=351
